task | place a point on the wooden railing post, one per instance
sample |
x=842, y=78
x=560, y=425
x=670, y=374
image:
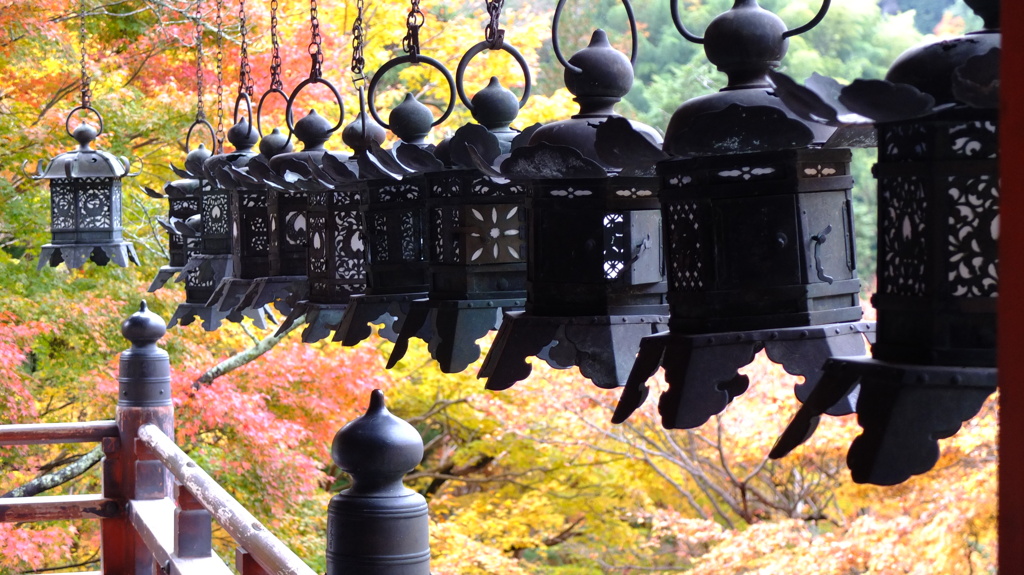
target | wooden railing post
x=129, y=470
x=193, y=526
x=378, y=525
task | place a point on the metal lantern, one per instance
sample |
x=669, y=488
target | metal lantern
x=208, y=247
x=182, y=203
x=334, y=244
x=757, y=213
x=476, y=233
x=85, y=203
x=393, y=208
x=933, y=365
x=596, y=278
x=278, y=261
x=250, y=226
x=249, y=231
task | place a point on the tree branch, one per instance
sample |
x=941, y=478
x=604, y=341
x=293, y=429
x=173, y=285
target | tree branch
x=50, y=480
x=242, y=358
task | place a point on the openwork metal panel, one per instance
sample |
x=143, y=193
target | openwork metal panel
x=938, y=245
x=288, y=232
x=251, y=237
x=336, y=248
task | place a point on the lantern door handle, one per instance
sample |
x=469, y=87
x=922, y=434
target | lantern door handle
x=819, y=239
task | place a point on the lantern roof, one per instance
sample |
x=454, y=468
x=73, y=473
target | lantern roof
x=86, y=162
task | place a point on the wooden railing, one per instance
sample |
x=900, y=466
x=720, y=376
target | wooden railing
x=157, y=505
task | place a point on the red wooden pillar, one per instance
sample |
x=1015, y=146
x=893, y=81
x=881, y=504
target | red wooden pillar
x=130, y=470
x=1011, y=287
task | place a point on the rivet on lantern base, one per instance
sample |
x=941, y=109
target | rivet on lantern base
x=903, y=409
x=703, y=370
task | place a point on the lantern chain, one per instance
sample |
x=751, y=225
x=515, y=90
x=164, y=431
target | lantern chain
x=275, y=61
x=86, y=81
x=200, y=106
x=411, y=42
x=316, y=52
x=220, y=74
x=358, y=38
x=493, y=34
x=245, y=83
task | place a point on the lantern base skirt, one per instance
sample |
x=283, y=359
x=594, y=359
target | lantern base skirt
x=602, y=347
x=388, y=311
x=74, y=256
x=702, y=371
x=320, y=319
x=904, y=410
x=211, y=317
x=229, y=293
x=163, y=275
x=281, y=291
x=451, y=329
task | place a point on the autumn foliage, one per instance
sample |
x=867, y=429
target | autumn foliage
x=534, y=480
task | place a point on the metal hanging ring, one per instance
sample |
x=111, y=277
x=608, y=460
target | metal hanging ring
x=674, y=5
x=295, y=93
x=209, y=128
x=460, y=72
x=67, y=122
x=814, y=21
x=411, y=59
x=248, y=106
x=259, y=108
x=576, y=69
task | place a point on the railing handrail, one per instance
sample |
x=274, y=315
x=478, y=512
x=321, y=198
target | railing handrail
x=241, y=525
x=52, y=433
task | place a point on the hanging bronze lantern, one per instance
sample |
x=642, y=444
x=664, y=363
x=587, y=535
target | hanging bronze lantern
x=596, y=281
x=275, y=206
x=249, y=225
x=476, y=233
x=85, y=204
x=182, y=203
x=85, y=192
x=757, y=211
x=393, y=207
x=933, y=365
x=208, y=233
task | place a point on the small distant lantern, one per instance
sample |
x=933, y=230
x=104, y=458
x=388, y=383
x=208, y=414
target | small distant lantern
x=331, y=226
x=757, y=211
x=393, y=207
x=596, y=281
x=208, y=247
x=85, y=191
x=182, y=203
x=274, y=206
x=476, y=233
x=85, y=204
x=249, y=225
x=247, y=211
x=933, y=365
